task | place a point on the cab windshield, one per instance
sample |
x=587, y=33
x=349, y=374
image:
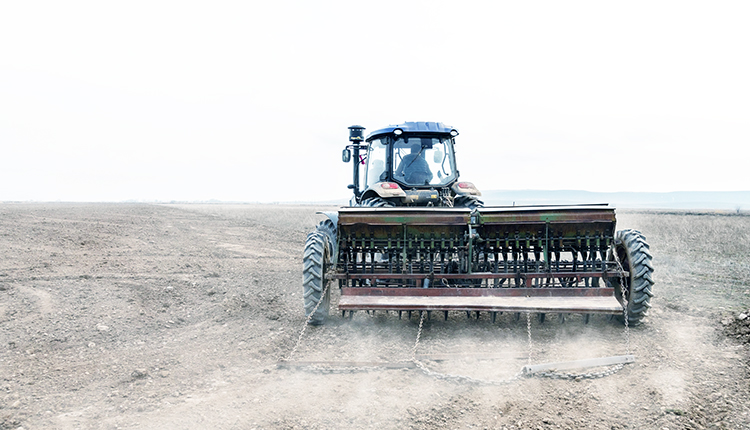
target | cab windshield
x=376, y=156
x=414, y=161
x=420, y=161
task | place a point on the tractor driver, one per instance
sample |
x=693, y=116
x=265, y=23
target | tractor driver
x=414, y=168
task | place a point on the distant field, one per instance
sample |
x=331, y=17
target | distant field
x=719, y=200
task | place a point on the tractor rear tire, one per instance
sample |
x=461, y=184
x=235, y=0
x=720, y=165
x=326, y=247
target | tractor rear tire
x=328, y=228
x=636, y=288
x=377, y=202
x=316, y=261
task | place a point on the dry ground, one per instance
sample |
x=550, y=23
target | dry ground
x=175, y=316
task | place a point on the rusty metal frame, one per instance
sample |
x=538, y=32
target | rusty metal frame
x=477, y=275
x=541, y=230
x=477, y=292
x=594, y=304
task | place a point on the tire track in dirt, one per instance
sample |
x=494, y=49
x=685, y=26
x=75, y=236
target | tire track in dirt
x=42, y=299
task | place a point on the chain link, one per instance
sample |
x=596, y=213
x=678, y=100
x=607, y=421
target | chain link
x=447, y=376
x=528, y=333
x=419, y=334
x=610, y=370
x=469, y=379
x=624, y=304
x=350, y=369
x=627, y=326
x=307, y=321
x=571, y=376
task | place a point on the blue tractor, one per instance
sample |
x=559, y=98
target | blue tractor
x=416, y=238
x=410, y=164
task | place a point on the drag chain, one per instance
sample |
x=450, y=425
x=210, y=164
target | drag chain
x=624, y=306
x=330, y=370
x=307, y=322
x=552, y=375
x=461, y=378
x=578, y=376
x=448, y=376
x=592, y=375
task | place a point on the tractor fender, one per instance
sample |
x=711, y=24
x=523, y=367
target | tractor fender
x=334, y=217
x=463, y=188
x=378, y=190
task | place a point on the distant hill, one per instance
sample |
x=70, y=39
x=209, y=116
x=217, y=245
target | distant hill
x=724, y=200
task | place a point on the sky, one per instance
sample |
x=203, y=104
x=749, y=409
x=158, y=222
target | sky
x=250, y=101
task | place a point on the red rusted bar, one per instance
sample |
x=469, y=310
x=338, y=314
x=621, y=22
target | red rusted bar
x=403, y=216
x=579, y=304
x=561, y=214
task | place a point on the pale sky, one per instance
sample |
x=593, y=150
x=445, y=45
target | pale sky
x=250, y=101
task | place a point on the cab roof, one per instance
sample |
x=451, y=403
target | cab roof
x=413, y=127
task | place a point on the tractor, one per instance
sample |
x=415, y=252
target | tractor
x=416, y=238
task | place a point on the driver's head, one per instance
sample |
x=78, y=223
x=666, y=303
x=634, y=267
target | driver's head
x=416, y=148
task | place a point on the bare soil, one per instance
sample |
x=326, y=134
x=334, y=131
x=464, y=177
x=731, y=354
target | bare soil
x=176, y=316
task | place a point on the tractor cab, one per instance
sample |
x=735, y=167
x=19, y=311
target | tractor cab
x=411, y=164
x=411, y=161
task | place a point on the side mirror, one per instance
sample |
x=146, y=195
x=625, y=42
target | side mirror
x=346, y=156
x=438, y=157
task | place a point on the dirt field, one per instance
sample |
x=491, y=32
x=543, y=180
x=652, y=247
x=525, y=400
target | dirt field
x=175, y=316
